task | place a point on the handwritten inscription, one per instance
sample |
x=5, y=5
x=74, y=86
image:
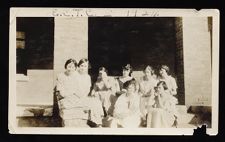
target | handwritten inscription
x=76, y=12
x=202, y=100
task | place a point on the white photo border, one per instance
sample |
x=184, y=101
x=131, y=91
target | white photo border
x=110, y=12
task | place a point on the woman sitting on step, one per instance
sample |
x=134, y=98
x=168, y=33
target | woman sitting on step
x=104, y=88
x=168, y=79
x=162, y=112
x=71, y=108
x=76, y=107
x=146, y=90
x=127, y=112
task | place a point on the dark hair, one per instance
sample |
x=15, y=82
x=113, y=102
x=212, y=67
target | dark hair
x=163, y=84
x=166, y=68
x=128, y=67
x=128, y=83
x=70, y=61
x=84, y=60
x=103, y=69
x=149, y=67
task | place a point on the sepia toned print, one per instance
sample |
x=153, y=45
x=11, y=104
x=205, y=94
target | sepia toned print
x=113, y=71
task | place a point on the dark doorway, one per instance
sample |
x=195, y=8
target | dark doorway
x=114, y=42
x=35, y=43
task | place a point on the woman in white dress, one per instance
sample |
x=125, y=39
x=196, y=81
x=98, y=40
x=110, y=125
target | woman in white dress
x=65, y=81
x=163, y=112
x=104, y=88
x=84, y=85
x=127, y=111
x=170, y=81
x=71, y=108
x=147, y=84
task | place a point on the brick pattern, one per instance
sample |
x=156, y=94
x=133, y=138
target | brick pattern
x=71, y=41
x=197, y=61
x=179, y=60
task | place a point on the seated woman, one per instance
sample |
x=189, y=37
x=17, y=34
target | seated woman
x=84, y=85
x=147, y=84
x=127, y=71
x=65, y=81
x=126, y=76
x=127, y=111
x=76, y=108
x=170, y=81
x=103, y=88
x=70, y=104
x=162, y=113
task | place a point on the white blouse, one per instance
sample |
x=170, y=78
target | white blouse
x=66, y=85
x=83, y=85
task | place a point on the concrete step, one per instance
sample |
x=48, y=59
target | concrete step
x=185, y=118
x=182, y=109
x=33, y=110
x=185, y=125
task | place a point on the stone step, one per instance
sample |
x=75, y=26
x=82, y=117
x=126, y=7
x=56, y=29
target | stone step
x=183, y=121
x=185, y=125
x=33, y=110
x=182, y=109
x=185, y=118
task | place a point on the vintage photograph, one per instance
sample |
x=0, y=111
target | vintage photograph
x=113, y=69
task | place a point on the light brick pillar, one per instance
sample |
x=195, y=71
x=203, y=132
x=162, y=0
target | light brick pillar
x=197, y=61
x=71, y=41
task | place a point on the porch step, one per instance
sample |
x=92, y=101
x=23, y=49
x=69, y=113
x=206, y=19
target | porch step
x=185, y=125
x=185, y=118
x=33, y=110
x=182, y=109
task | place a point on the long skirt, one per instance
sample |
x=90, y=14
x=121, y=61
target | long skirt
x=104, y=97
x=71, y=109
x=132, y=121
x=143, y=106
x=160, y=118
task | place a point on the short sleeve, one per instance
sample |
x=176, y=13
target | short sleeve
x=88, y=87
x=115, y=85
x=95, y=87
x=89, y=81
x=59, y=83
x=174, y=83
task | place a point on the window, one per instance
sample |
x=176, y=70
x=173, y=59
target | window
x=34, y=43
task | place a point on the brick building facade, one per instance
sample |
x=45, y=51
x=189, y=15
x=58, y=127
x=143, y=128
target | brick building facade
x=192, y=56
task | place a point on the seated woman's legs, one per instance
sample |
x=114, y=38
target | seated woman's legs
x=154, y=118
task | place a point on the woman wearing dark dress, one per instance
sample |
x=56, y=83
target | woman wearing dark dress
x=127, y=71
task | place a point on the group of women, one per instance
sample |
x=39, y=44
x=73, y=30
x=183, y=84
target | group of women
x=122, y=101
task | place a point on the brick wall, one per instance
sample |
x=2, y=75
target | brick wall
x=179, y=65
x=37, y=90
x=71, y=41
x=197, y=61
